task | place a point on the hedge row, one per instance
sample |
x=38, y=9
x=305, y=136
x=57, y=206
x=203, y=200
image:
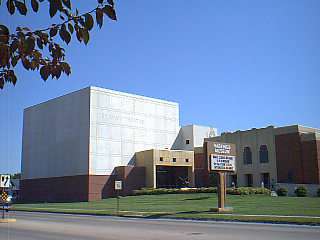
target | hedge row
x=155, y=191
x=233, y=191
x=300, y=191
x=248, y=191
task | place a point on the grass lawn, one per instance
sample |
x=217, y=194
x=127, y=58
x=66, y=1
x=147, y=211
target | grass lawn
x=195, y=206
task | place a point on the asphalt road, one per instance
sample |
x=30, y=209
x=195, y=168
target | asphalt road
x=43, y=226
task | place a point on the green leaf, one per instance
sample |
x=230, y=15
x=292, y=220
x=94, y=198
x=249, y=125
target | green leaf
x=14, y=45
x=109, y=11
x=53, y=31
x=53, y=7
x=14, y=60
x=21, y=8
x=39, y=43
x=88, y=21
x=44, y=72
x=4, y=34
x=99, y=17
x=67, y=3
x=64, y=34
x=56, y=71
x=25, y=63
x=4, y=53
x=78, y=33
x=85, y=35
x=13, y=78
x=35, y=5
x=29, y=44
x=11, y=7
x=1, y=82
x=70, y=27
x=111, y=2
x=66, y=68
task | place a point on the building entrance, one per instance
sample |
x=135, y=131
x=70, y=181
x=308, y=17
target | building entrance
x=172, y=177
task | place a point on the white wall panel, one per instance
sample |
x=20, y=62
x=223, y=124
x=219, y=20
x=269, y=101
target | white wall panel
x=56, y=137
x=130, y=123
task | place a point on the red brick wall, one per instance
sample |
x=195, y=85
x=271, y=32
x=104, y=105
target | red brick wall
x=300, y=158
x=57, y=189
x=133, y=178
x=201, y=172
x=83, y=187
x=310, y=161
x=199, y=162
x=100, y=186
x=103, y=186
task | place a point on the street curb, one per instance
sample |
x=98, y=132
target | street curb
x=180, y=218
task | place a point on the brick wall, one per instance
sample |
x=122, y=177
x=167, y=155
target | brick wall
x=297, y=161
x=56, y=189
x=201, y=172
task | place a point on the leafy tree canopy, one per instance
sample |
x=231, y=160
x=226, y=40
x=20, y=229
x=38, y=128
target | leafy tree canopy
x=39, y=49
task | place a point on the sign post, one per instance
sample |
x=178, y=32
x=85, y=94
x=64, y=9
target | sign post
x=4, y=183
x=4, y=197
x=118, y=187
x=222, y=159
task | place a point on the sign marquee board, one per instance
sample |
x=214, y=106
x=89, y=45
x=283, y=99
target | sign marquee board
x=118, y=185
x=4, y=181
x=223, y=157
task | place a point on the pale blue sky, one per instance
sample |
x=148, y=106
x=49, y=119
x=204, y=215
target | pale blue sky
x=229, y=64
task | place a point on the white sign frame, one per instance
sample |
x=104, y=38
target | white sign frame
x=5, y=181
x=118, y=185
x=222, y=163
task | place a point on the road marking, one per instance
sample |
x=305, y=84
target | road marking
x=8, y=220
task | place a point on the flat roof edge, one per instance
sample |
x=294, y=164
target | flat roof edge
x=132, y=95
x=55, y=98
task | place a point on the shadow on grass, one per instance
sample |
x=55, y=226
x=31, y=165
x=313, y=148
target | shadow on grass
x=196, y=199
x=159, y=215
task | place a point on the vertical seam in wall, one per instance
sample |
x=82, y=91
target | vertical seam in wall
x=318, y=160
x=22, y=146
x=301, y=157
x=89, y=108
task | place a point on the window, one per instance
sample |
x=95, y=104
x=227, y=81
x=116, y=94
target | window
x=263, y=154
x=187, y=160
x=249, y=180
x=247, y=155
x=174, y=159
x=161, y=159
x=188, y=141
x=290, y=176
x=233, y=180
x=265, y=179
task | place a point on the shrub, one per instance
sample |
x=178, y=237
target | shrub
x=318, y=192
x=152, y=191
x=282, y=191
x=301, y=191
x=232, y=191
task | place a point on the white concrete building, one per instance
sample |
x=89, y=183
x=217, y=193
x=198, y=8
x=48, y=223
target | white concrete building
x=192, y=136
x=92, y=131
x=79, y=139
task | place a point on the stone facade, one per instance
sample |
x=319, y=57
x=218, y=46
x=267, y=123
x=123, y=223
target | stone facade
x=293, y=155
